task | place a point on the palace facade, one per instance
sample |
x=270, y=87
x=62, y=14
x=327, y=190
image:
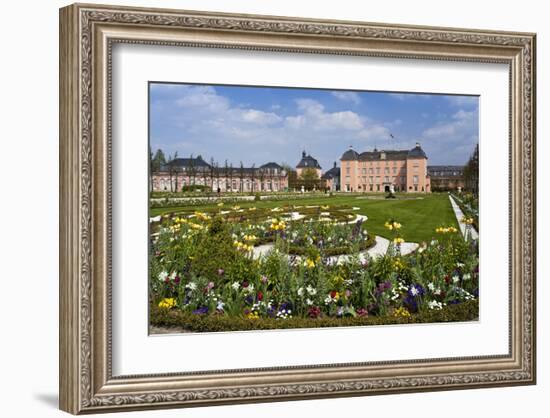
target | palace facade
x=446, y=177
x=385, y=171
x=180, y=173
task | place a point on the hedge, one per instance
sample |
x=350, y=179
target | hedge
x=466, y=311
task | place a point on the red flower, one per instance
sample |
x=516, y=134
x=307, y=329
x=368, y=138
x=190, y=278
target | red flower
x=245, y=284
x=333, y=294
x=260, y=296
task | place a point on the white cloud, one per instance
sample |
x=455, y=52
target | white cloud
x=347, y=96
x=315, y=116
x=259, y=117
x=463, y=101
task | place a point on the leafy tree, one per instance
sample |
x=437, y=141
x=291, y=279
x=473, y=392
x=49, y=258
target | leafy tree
x=158, y=160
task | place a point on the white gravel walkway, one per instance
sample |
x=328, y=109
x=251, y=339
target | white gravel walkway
x=459, y=214
x=379, y=249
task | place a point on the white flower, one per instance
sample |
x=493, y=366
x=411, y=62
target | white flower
x=301, y=291
x=191, y=285
x=460, y=264
x=414, y=291
x=309, y=302
x=163, y=275
x=431, y=286
x=437, y=291
x=173, y=275
x=310, y=290
x=435, y=305
x=455, y=278
x=236, y=285
x=466, y=276
x=220, y=306
x=421, y=250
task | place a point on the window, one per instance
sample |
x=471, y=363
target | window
x=371, y=187
x=377, y=179
x=371, y=179
x=377, y=170
x=415, y=169
x=371, y=170
x=395, y=170
x=387, y=170
x=415, y=179
x=364, y=171
x=347, y=170
x=386, y=179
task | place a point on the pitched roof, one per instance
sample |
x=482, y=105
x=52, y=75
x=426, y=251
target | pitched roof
x=375, y=155
x=308, y=161
x=349, y=155
x=445, y=170
x=187, y=162
x=271, y=165
x=332, y=173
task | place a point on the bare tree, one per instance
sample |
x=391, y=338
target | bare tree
x=253, y=176
x=192, y=170
x=241, y=177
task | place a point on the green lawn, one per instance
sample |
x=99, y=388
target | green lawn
x=419, y=217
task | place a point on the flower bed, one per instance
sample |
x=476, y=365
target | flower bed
x=466, y=311
x=203, y=265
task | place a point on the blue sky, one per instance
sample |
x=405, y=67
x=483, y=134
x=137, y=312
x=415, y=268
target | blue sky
x=256, y=125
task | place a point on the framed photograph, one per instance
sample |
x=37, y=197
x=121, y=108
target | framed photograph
x=259, y=208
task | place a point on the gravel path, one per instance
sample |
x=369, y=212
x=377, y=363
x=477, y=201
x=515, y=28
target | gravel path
x=459, y=214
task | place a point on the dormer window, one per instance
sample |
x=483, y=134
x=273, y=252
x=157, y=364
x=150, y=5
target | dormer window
x=382, y=155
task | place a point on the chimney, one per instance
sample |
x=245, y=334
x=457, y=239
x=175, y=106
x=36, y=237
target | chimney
x=303, y=154
x=334, y=164
x=418, y=145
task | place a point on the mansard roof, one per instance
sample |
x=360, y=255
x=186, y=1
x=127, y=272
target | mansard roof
x=377, y=155
x=308, y=161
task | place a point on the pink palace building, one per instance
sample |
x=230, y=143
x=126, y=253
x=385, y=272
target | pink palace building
x=385, y=171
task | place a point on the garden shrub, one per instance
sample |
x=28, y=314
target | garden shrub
x=467, y=311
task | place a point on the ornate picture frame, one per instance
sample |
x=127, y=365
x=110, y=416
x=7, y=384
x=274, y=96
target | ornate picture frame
x=87, y=35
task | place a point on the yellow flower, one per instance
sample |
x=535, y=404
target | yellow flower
x=167, y=303
x=392, y=225
x=398, y=240
x=220, y=204
x=278, y=225
x=251, y=208
x=253, y=315
x=401, y=313
x=309, y=263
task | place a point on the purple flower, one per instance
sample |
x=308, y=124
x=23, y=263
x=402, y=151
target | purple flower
x=201, y=311
x=263, y=279
x=416, y=290
x=210, y=285
x=177, y=280
x=221, y=272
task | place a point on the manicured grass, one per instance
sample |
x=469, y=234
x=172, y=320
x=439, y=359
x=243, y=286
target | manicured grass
x=419, y=216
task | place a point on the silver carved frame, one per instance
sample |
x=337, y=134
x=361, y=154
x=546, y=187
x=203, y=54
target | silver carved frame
x=87, y=33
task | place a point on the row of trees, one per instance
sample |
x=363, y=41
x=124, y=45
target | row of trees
x=471, y=172
x=211, y=173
